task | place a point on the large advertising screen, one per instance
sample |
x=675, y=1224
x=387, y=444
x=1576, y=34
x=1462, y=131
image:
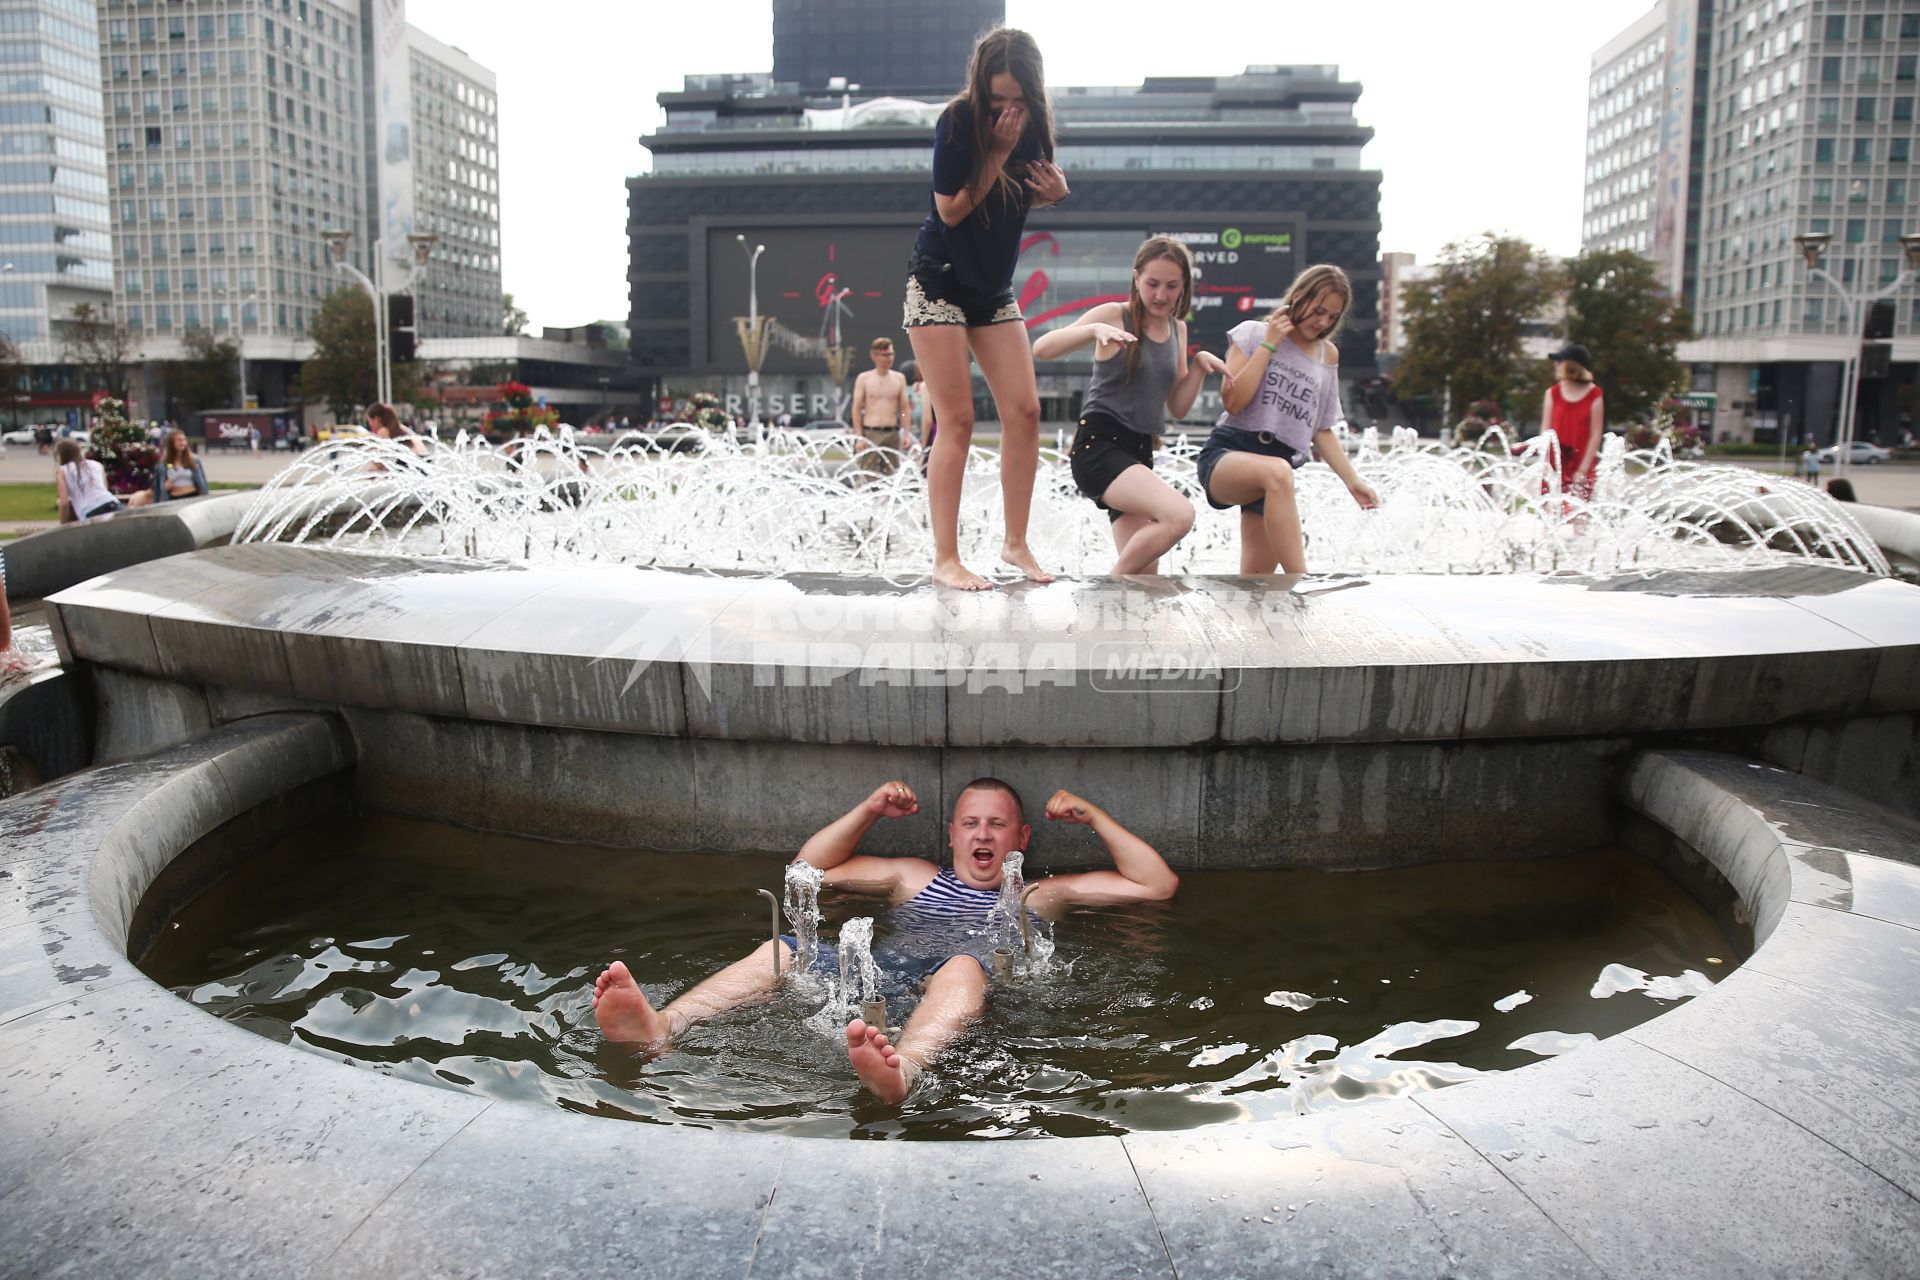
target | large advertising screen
x=816, y=290
x=826, y=289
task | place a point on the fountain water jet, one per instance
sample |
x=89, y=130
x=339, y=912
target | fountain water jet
x=796, y=501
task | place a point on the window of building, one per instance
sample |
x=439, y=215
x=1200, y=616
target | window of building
x=1836, y=26
x=1873, y=27
x=1903, y=109
x=1856, y=230
x=1896, y=190
x=1830, y=71
x=1898, y=150
x=1823, y=150
x=1863, y=150
x=1864, y=108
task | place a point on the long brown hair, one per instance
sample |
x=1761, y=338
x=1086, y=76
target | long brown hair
x=1309, y=284
x=1003, y=49
x=183, y=457
x=1154, y=249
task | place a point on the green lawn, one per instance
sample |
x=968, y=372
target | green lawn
x=27, y=502
x=36, y=501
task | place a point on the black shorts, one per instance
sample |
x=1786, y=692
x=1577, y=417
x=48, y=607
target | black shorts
x=935, y=297
x=1226, y=440
x=1102, y=449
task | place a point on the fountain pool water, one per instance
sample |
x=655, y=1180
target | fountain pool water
x=466, y=960
x=797, y=502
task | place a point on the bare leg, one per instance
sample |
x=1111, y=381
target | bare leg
x=1251, y=477
x=625, y=1014
x=948, y=368
x=956, y=995
x=1167, y=518
x=1005, y=353
x=1124, y=530
x=11, y=659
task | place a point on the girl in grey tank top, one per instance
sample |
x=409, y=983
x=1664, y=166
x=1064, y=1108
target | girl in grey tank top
x=1141, y=377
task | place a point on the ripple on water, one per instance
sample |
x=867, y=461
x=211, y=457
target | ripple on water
x=470, y=961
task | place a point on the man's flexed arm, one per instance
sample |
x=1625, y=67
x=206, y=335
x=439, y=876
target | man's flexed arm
x=1140, y=874
x=832, y=847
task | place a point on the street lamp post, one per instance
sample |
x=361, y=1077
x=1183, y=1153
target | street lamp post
x=422, y=245
x=753, y=322
x=1812, y=245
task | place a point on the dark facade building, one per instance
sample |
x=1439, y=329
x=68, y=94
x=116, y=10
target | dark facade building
x=867, y=43
x=773, y=209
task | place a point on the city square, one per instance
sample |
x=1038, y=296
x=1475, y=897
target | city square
x=1495, y=738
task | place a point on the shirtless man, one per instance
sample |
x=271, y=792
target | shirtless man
x=882, y=413
x=989, y=822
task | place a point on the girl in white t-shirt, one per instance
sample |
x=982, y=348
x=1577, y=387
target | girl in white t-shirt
x=1282, y=398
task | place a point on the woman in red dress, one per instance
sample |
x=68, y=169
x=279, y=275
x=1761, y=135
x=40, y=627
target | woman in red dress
x=1575, y=413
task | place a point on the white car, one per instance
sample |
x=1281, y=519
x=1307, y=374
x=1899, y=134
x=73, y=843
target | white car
x=1858, y=452
x=17, y=435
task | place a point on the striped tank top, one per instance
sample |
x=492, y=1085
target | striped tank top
x=947, y=900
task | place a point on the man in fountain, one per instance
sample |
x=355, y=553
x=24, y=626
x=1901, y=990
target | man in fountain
x=988, y=823
x=882, y=413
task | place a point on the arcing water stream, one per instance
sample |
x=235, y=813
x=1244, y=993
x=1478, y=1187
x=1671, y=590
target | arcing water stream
x=798, y=501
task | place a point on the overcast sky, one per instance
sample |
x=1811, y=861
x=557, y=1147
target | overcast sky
x=1478, y=110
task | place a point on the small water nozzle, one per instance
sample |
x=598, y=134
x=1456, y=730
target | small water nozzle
x=1002, y=963
x=874, y=1012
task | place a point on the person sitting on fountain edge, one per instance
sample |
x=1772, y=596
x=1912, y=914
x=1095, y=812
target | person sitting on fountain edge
x=989, y=822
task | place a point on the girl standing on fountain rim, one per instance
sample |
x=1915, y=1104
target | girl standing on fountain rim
x=1575, y=415
x=992, y=160
x=1282, y=401
x=1140, y=378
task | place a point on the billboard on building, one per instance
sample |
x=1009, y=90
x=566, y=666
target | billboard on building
x=1671, y=173
x=823, y=292
x=393, y=125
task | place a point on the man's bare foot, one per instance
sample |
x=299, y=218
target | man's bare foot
x=622, y=1011
x=877, y=1063
x=951, y=573
x=1022, y=559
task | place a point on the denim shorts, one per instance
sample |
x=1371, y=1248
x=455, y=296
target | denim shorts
x=935, y=297
x=1226, y=440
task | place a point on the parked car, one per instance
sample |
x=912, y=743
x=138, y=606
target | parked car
x=1858, y=452
x=18, y=435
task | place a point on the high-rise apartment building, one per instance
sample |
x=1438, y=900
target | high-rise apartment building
x=1625, y=92
x=55, y=246
x=238, y=134
x=1778, y=117
x=456, y=185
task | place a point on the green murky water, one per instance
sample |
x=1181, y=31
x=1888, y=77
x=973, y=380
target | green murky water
x=467, y=961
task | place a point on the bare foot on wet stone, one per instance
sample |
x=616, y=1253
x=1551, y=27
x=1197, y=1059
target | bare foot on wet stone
x=622, y=1011
x=951, y=573
x=1022, y=559
x=879, y=1066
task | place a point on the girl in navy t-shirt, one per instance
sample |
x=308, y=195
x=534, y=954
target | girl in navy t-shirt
x=992, y=161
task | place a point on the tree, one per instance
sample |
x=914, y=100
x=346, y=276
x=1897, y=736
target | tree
x=99, y=349
x=13, y=375
x=1617, y=309
x=1466, y=321
x=343, y=371
x=208, y=377
x=513, y=319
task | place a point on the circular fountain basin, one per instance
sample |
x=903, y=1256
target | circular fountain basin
x=1760, y=1127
